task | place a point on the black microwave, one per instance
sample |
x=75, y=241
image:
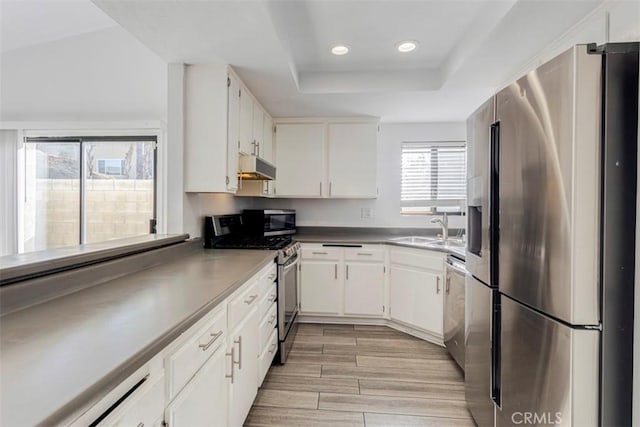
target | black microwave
x=269, y=222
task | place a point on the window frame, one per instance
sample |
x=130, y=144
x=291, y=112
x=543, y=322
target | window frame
x=433, y=206
x=88, y=137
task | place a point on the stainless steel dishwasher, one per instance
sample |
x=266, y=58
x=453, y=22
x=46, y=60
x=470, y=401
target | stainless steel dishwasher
x=454, y=297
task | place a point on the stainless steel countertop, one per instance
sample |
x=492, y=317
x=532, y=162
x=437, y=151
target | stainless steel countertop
x=60, y=357
x=30, y=264
x=367, y=236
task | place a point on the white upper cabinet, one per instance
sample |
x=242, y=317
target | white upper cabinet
x=206, y=93
x=258, y=129
x=300, y=159
x=326, y=158
x=266, y=145
x=353, y=155
x=233, y=134
x=246, y=122
x=218, y=125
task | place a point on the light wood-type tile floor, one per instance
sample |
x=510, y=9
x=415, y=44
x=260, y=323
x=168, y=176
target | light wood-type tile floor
x=346, y=375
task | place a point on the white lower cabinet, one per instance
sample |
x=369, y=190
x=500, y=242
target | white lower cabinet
x=416, y=294
x=342, y=281
x=320, y=287
x=400, y=284
x=203, y=401
x=416, y=298
x=364, y=289
x=243, y=386
x=209, y=375
x=267, y=355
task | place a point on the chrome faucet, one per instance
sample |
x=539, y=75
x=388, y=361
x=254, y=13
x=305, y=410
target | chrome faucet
x=444, y=223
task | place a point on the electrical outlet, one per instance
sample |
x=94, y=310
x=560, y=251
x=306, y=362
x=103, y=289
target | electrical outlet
x=366, y=213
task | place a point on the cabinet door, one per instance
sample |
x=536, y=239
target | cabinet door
x=266, y=146
x=353, y=153
x=300, y=159
x=244, y=385
x=258, y=125
x=416, y=298
x=320, y=287
x=203, y=401
x=364, y=289
x=246, y=122
x=233, y=133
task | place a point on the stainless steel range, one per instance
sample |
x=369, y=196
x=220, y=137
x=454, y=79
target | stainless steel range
x=288, y=262
x=245, y=231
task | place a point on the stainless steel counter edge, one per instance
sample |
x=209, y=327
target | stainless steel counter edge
x=32, y=264
x=99, y=390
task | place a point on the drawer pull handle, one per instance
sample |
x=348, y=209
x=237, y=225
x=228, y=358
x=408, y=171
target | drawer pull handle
x=239, y=342
x=251, y=299
x=272, y=318
x=438, y=285
x=272, y=298
x=232, y=353
x=140, y=424
x=272, y=348
x=320, y=253
x=215, y=336
x=365, y=253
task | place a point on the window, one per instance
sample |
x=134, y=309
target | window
x=111, y=166
x=86, y=189
x=433, y=177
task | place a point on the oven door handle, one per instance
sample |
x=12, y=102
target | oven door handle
x=291, y=264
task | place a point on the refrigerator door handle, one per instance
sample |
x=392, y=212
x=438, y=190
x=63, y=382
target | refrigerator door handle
x=494, y=205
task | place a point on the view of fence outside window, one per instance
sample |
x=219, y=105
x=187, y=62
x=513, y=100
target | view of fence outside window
x=86, y=190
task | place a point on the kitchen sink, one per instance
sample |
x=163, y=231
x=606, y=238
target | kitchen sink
x=428, y=242
x=415, y=240
x=448, y=243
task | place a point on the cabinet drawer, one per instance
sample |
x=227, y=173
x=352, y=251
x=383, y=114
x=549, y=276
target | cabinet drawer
x=418, y=258
x=267, y=324
x=266, y=357
x=320, y=252
x=365, y=253
x=145, y=407
x=241, y=304
x=267, y=279
x=268, y=298
x=188, y=358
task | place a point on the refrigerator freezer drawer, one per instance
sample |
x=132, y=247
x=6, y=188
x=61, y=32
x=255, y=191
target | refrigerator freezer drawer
x=549, y=371
x=477, y=371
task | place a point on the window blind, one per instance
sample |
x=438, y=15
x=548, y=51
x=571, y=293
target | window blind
x=433, y=177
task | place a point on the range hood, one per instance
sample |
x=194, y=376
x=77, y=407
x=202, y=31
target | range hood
x=254, y=168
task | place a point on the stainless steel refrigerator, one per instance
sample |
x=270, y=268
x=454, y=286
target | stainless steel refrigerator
x=552, y=184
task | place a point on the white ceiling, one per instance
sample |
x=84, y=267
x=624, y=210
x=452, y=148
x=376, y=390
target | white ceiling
x=25, y=23
x=280, y=48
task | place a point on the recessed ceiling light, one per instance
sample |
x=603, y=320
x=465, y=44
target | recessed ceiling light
x=340, y=50
x=407, y=46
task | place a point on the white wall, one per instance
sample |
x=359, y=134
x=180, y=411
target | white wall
x=104, y=75
x=386, y=208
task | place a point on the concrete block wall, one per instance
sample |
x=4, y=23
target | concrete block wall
x=113, y=208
